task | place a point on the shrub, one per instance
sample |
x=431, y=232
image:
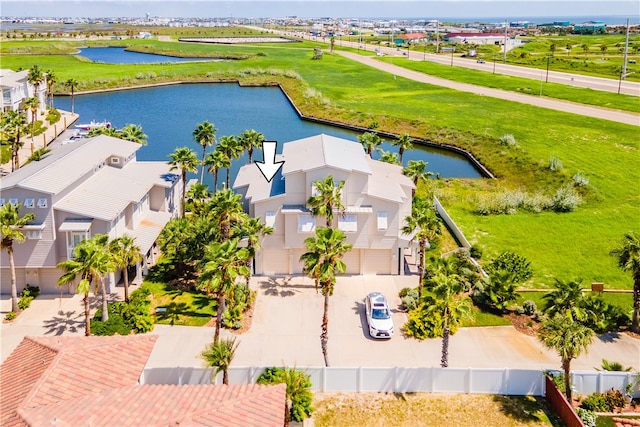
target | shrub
x=10, y=315
x=565, y=199
x=409, y=298
x=115, y=325
x=579, y=180
x=508, y=140
x=529, y=307
x=298, y=389
x=555, y=164
x=475, y=252
x=512, y=263
x=404, y=292
x=587, y=417
x=615, y=399
x=422, y=325
x=27, y=295
x=53, y=115
x=595, y=402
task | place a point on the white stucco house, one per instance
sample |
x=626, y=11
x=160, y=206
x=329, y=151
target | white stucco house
x=16, y=89
x=376, y=196
x=88, y=187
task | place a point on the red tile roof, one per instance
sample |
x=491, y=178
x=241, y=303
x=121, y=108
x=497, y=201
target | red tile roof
x=68, y=381
x=163, y=405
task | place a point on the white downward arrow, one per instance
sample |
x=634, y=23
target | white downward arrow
x=269, y=167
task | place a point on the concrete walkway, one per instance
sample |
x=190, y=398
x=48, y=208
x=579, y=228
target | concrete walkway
x=286, y=328
x=30, y=145
x=567, y=107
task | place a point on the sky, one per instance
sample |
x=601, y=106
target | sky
x=429, y=9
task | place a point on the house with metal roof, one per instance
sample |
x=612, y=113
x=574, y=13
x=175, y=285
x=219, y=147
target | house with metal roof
x=91, y=186
x=376, y=197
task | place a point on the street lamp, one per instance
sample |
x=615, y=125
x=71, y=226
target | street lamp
x=453, y=49
x=494, y=63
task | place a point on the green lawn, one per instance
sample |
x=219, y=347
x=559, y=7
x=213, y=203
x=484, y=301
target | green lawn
x=183, y=307
x=566, y=246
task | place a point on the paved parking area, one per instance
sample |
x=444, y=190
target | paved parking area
x=286, y=331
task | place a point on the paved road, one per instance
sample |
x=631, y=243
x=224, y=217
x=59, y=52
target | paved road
x=286, y=329
x=617, y=116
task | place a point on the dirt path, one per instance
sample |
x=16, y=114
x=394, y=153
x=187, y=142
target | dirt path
x=568, y=107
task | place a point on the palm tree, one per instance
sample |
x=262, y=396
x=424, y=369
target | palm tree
x=198, y=194
x=51, y=80
x=205, y=135
x=227, y=209
x=552, y=48
x=404, y=143
x=249, y=140
x=416, y=171
x=133, y=133
x=327, y=198
x=450, y=307
x=32, y=104
x=322, y=261
x=10, y=227
x=569, y=46
x=388, y=157
x=603, y=49
x=230, y=146
x=425, y=223
x=569, y=338
x=13, y=124
x=72, y=84
x=172, y=240
x=35, y=78
x=216, y=161
x=369, y=141
x=585, y=48
x=219, y=268
x=220, y=355
x=628, y=255
x=566, y=300
x=125, y=253
x=91, y=261
x=185, y=159
x=253, y=229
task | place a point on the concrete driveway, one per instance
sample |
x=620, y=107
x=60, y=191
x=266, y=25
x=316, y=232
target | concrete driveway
x=286, y=331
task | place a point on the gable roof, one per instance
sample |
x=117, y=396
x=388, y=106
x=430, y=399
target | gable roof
x=48, y=370
x=324, y=150
x=76, y=380
x=66, y=164
x=388, y=182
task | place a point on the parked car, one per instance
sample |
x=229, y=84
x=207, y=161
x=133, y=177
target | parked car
x=378, y=316
x=480, y=61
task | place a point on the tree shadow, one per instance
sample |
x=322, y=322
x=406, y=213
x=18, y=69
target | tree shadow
x=609, y=337
x=64, y=321
x=281, y=286
x=175, y=311
x=527, y=409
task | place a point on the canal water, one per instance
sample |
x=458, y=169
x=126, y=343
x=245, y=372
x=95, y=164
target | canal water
x=169, y=114
x=117, y=55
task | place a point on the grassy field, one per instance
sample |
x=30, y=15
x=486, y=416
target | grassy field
x=567, y=246
x=427, y=409
x=183, y=307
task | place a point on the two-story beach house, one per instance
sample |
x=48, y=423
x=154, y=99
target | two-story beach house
x=87, y=187
x=376, y=197
x=16, y=89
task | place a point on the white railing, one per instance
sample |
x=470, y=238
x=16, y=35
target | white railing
x=408, y=379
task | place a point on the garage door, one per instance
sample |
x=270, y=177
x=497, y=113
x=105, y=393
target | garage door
x=377, y=261
x=352, y=259
x=298, y=266
x=275, y=261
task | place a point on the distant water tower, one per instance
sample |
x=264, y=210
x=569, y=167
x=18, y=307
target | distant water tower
x=147, y=15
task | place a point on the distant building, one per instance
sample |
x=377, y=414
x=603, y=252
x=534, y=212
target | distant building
x=589, y=26
x=410, y=38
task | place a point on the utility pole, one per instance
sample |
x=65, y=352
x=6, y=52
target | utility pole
x=546, y=80
x=623, y=70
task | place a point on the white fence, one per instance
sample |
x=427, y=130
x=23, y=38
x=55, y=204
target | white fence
x=406, y=380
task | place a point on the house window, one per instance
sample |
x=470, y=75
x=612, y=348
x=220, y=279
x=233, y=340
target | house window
x=270, y=218
x=306, y=223
x=29, y=203
x=42, y=203
x=115, y=160
x=33, y=234
x=348, y=223
x=382, y=220
x=75, y=238
x=14, y=202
